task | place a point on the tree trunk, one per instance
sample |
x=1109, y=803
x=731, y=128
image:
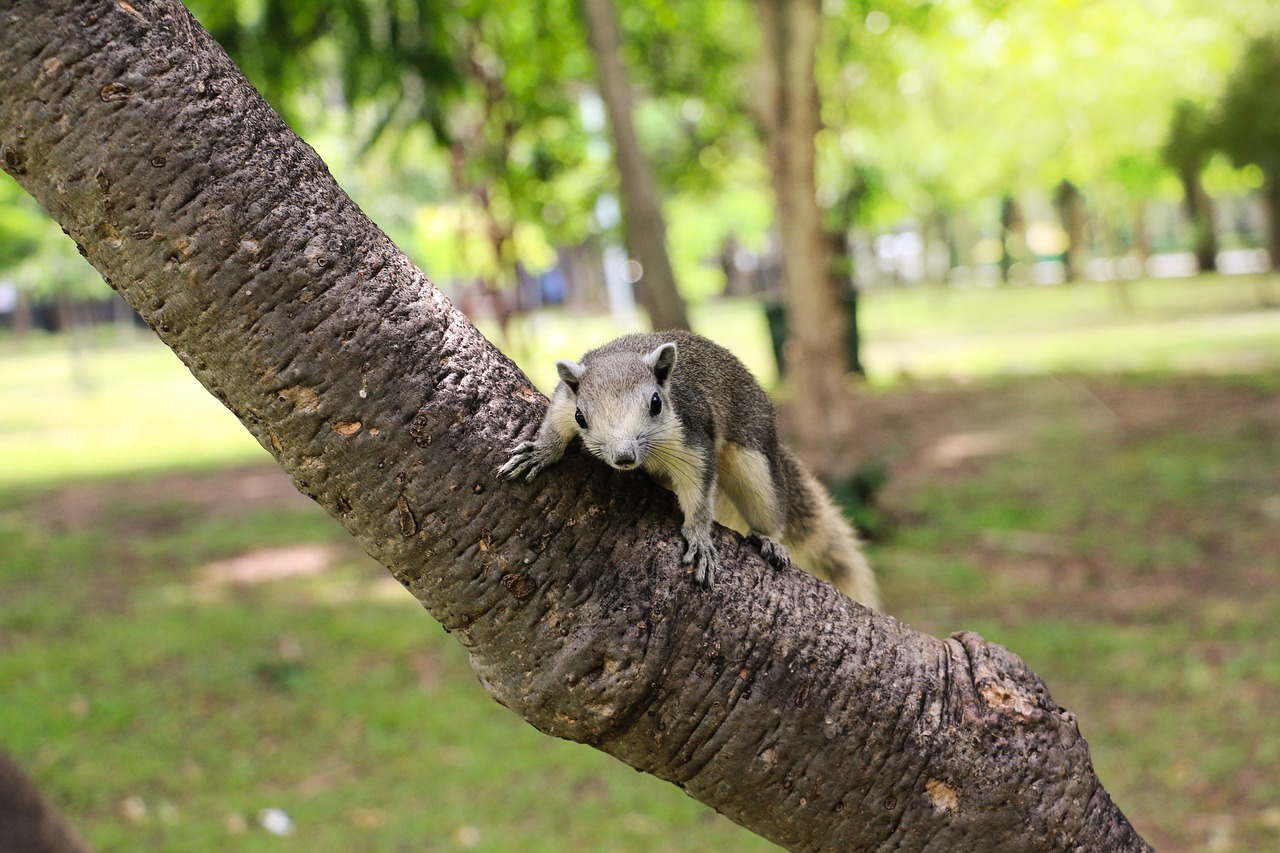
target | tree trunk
x=1141, y=248
x=788, y=110
x=1198, y=205
x=1271, y=208
x=1010, y=225
x=643, y=227
x=772, y=698
x=1071, y=210
x=28, y=824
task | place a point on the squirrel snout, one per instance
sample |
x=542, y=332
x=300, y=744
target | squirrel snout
x=623, y=455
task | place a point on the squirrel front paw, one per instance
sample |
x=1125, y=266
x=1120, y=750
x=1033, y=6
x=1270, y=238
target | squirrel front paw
x=527, y=459
x=701, y=552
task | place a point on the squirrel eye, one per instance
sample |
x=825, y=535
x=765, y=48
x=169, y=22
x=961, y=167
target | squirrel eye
x=577, y=416
x=655, y=405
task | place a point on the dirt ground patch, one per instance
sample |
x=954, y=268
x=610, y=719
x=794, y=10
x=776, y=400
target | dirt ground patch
x=931, y=430
x=237, y=491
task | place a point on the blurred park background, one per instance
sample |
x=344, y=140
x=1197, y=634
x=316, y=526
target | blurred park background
x=1051, y=230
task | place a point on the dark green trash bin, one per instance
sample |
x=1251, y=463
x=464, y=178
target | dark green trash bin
x=776, y=316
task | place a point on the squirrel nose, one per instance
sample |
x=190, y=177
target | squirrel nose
x=624, y=458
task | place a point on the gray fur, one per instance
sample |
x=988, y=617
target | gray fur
x=715, y=439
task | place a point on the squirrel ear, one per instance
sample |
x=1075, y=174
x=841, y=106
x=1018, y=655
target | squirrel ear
x=570, y=374
x=662, y=360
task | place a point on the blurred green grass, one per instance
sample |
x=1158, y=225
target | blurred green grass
x=162, y=712
x=162, y=717
x=1133, y=566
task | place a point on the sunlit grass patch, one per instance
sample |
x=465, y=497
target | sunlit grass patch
x=124, y=409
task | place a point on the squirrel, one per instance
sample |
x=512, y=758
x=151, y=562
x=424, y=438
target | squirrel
x=689, y=413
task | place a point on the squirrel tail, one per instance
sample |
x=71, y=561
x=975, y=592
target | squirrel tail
x=821, y=539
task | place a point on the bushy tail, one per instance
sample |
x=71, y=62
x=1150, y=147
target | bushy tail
x=821, y=539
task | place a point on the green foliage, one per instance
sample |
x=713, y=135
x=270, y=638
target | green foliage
x=459, y=126
x=1189, y=143
x=396, y=55
x=1249, y=112
x=965, y=100
x=519, y=145
x=691, y=64
x=21, y=224
x=495, y=84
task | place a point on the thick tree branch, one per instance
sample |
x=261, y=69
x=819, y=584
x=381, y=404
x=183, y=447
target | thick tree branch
x=799, y=714
x=28, y=823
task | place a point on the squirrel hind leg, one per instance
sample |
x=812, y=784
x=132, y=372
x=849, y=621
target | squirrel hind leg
x=745, y=477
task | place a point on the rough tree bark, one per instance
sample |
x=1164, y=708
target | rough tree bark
x=643, y=227
x=788, y=110
x=799, y=714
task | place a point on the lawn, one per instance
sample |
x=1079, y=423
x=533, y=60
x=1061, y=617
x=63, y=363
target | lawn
x=187, y=642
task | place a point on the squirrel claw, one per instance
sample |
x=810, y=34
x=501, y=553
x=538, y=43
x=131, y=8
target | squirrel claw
x=524, y=460
x=773, y=551
x=702, y=554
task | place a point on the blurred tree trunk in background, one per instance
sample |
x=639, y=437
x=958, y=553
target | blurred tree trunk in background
x=1245, y=127
x=1187, y=149
x=1069, y=201
x=1141, y=248
x=1198, y=205
x=1271, y=203
x=937, y=238
x=644, y=229
x=1011, y=225
x=788, y=109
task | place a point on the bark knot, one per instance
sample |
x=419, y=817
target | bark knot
x=302, y=398
x=115, y=92
x=1010, y=699
x=1001, y=678
x=944, y=797
x=519, y=584
x=408, y=524
x=14, y=163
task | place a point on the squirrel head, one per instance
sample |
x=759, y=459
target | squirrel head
x=623, y=402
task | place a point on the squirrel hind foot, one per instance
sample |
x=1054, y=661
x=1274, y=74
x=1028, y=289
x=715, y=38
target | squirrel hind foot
x=773, y=551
